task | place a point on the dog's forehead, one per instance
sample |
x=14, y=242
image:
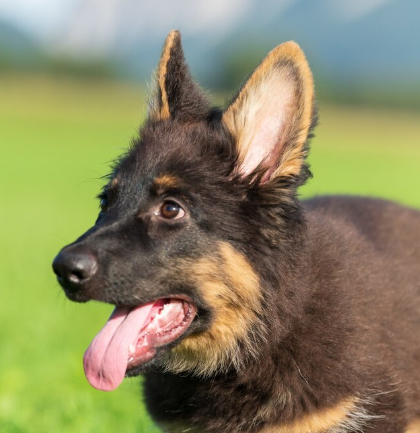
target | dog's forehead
x=170, y=154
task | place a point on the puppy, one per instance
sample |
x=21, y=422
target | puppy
x=245, y=309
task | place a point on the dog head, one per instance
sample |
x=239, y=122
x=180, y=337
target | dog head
x=197, y=223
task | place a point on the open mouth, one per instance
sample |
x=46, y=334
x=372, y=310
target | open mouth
x=130, y=339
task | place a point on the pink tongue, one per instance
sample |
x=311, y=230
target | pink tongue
x=105, y=360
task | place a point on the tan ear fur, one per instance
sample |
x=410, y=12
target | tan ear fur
x=160, y=108
x=272, y=114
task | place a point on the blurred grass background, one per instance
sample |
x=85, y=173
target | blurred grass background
x=57, y=136
x=71, y=100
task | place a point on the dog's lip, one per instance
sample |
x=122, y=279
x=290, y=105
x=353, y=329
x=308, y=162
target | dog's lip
x=132, y=305
x=181, y=298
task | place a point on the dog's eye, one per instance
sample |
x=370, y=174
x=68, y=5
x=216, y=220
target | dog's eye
x=104, y=204
x=171, y=210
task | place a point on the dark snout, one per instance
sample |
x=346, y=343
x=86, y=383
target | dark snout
x=74, y=266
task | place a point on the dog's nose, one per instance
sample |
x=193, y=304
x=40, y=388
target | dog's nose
x=74, y=266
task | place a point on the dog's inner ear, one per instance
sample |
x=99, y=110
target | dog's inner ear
x=271, y=116
x=176, y=95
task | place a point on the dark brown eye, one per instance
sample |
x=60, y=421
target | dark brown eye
x=171, y=210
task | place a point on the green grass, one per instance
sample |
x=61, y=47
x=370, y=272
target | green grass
x=56, y=140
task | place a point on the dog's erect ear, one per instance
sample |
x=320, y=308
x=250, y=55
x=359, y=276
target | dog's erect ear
x=271, y=116
x=176, y=95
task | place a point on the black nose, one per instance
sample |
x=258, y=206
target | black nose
x=75, y=265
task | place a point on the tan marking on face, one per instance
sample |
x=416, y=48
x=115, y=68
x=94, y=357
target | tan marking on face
x=284, y=73
x=167, y=181
x=230, y=286
x=317, y=422
x=164, y=112
x=414, y=427
x=114, y=183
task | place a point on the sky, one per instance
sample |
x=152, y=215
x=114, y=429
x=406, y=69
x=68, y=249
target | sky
x=43, y=19
x=40, y=18
x=353, y=9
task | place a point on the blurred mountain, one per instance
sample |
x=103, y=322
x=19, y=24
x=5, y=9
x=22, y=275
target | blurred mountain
x=17, y=49
x=362, y=48
x=361, y=39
